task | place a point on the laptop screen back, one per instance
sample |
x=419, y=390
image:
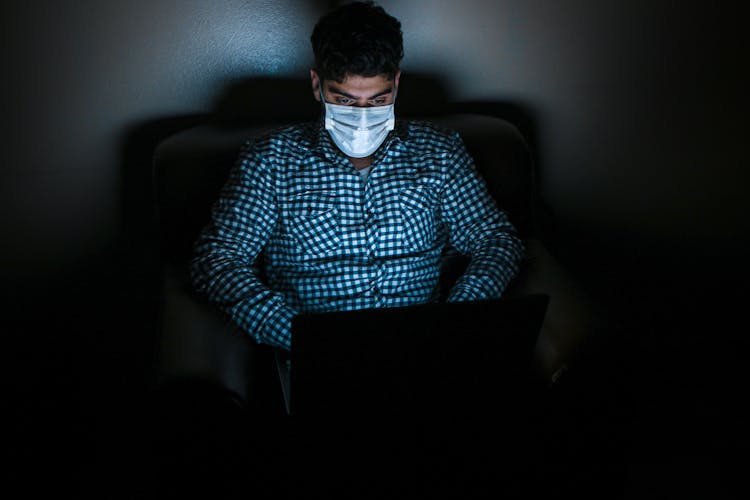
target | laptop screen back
x=428, y=357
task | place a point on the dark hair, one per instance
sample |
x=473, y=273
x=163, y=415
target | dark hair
x=358, y=38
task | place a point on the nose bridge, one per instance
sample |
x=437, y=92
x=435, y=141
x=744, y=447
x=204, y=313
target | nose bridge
x=363, y=116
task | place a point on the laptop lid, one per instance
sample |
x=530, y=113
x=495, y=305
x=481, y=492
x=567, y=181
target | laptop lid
x=417, y=358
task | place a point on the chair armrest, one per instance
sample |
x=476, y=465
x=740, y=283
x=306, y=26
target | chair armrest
x=197, y=343
x=571, y=314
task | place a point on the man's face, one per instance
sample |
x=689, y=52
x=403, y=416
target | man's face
x=360, y=91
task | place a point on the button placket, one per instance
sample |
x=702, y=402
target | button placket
x=370, y=221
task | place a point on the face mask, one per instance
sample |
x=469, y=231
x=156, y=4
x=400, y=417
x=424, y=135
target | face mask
x=358, y=132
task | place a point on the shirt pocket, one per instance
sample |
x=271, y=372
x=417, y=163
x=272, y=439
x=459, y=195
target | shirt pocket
x=313, y=222
x=418, y=207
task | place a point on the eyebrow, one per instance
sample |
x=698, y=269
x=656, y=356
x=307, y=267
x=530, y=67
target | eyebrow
x=336, y=90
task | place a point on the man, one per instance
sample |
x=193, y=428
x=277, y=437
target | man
x=356, y=210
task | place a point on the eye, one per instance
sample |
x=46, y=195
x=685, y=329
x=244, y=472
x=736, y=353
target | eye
x=344, y=100
x=378, y=102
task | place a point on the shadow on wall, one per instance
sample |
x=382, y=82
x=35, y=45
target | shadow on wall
x=270, y=100
x=274, y=100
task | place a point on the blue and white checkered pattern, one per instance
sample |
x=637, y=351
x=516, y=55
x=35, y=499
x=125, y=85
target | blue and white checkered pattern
x=296, y=229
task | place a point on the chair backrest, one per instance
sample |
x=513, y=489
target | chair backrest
x=191, y=166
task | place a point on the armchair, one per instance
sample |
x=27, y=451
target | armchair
x=196, y=342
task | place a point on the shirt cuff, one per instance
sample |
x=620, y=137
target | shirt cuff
x=277, y=329
x=460, y=294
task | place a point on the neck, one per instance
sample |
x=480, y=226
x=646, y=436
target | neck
x=360, y=163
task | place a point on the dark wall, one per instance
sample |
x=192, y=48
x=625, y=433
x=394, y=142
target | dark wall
x=79, y=75
x=639, y=105
x=639, y=111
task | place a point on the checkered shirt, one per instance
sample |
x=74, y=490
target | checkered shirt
x=296, y=229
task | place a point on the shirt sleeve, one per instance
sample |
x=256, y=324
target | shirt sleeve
x=225, y=261
x=480, y=230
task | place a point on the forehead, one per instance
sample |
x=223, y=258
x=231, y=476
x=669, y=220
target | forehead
x=360, y=85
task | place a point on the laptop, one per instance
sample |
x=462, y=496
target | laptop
x=428, y=357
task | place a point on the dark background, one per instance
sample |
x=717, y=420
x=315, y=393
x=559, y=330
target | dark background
x=638, y=113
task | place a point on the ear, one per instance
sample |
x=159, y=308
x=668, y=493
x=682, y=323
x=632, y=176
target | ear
x=315, y=81
x=396, y=79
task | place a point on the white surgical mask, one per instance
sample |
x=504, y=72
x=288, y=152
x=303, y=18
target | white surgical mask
x=358, y=132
